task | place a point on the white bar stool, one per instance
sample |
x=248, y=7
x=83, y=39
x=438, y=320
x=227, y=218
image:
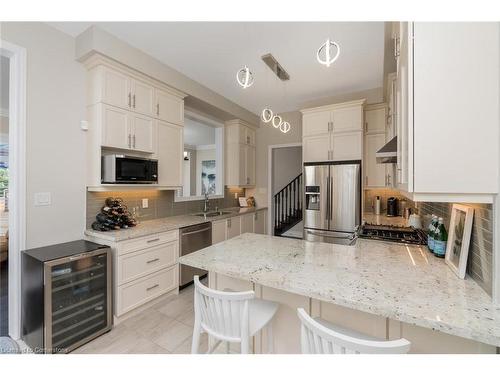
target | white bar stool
x=321, y=337
x=230, y=317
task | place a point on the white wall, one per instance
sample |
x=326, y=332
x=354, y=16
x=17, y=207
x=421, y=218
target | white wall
x=287, y=164
x=55, y=145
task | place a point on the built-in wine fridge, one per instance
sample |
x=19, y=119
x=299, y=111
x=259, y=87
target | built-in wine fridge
x=66, y=295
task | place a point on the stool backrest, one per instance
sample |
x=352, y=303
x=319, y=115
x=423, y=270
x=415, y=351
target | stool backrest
x=223, y=315
x=318, y=339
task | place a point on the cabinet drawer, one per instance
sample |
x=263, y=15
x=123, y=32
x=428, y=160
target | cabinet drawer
x=146, y=242
x=145, y=289
x=141, y=263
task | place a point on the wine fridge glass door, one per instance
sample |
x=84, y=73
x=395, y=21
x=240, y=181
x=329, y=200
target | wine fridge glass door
x=77, y=300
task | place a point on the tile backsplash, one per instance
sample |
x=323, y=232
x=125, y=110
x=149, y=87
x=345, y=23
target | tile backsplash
x=480, y=260
x=160, y=203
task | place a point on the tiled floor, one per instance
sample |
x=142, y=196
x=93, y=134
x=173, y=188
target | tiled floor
x=166, y=327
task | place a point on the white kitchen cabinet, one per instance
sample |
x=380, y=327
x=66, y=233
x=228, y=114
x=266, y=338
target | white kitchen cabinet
x=316, y=148
x=333, y=132
x=375, y=174
x=112, y=87
x=142, y=97
x=233, y=227
x=247, y=223
x=170, y=149
x=447, y=111
x=240, y=154
x=375, y=118
x=169, y=107
x=115, y=127
x=218, y=231
x=142, y=130
x=259, y=226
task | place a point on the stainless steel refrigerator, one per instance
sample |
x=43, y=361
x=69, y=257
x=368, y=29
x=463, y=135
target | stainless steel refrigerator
x=332, y=208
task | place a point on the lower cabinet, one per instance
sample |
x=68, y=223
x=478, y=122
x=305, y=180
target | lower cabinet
x=144, y=268
x=225, y=229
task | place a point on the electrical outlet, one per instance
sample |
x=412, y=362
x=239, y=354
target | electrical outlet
x=145, y=203
x=43, y=199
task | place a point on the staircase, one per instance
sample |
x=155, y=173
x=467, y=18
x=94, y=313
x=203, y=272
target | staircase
x=288, y=206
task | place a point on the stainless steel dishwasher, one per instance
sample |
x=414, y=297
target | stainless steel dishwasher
x=193, y=238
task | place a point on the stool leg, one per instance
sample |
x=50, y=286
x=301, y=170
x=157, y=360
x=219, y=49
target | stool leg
x=195, y=344
x=270, y=338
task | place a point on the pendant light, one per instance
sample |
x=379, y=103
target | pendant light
x=266, y=115
x=328, y=52
x=244, y=77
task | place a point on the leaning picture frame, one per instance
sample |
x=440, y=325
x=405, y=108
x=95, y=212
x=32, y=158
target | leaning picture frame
x=457, y=249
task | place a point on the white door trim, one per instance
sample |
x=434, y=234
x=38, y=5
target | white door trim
x=270, y=210
x=17, y=183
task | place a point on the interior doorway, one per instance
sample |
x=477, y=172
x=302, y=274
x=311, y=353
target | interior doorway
x=285, y=186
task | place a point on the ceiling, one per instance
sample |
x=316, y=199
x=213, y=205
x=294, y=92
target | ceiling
x=212, y=52
x=198, y=134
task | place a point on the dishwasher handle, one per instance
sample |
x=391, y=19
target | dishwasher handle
x=196, y=231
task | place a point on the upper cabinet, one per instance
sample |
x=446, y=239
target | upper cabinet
x=447, y=110
x=130, y=113
x=240, y=153
x=333, y=132
x=168, y=107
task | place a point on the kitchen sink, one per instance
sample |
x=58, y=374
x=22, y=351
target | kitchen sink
x=213, y=213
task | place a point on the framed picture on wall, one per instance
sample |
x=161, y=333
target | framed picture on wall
x=457, y=249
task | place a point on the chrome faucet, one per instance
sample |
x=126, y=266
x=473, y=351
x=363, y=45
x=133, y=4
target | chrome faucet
x=207, y=203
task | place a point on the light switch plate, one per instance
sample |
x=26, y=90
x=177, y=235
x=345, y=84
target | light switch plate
x=43, y=199
x=145, y=203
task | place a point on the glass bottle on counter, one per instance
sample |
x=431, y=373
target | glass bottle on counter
x=440, y=239
x=430, y=234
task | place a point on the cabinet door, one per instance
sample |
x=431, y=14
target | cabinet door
x=249, y=136
x=169, y=108
x=250, y=165
x=316, y=123
x=247, y=223
x=375, y=175
x=260, y=222
x=116, y=130
x=218, y=231
x=347, y=146
x=347, y=119
x=142, y=133
x=233, y=228
x=116, y=89
x=170, y=149
x=375, y=121
x=316, y=148
x=142, y=97
x=235, y=164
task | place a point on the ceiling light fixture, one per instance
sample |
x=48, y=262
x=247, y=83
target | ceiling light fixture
x=244, y=77
x=279, y=121
x=285, y=127
x=326, y=49
x=267, y=115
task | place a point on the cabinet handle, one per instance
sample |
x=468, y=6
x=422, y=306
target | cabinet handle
x=366, y=180
x=133, y=101
x=129, y=99
x=385, y=180
x=388, y=180
x=248, y=139
x=129, y=141
x=157, y=109
x=229, y=223
x=153, y=240
x=134, y=140
x=153, y=260
x=152, y=287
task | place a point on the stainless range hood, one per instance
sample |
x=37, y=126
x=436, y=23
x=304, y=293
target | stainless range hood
x=388, y=153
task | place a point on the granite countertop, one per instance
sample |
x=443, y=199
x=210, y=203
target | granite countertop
x=396, y=281
x=149, y=227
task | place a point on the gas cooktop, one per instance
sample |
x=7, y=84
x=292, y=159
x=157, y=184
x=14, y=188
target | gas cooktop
x=406, y=235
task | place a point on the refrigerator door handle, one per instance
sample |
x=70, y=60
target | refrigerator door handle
x=330, y=207
x=328, y=198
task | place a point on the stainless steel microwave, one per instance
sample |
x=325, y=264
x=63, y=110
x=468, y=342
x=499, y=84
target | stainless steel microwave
x=123, y=169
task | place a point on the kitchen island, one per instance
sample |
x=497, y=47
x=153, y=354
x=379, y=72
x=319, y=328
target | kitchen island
x=382, y=289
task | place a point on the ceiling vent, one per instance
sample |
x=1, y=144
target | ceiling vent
x=275, y=66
